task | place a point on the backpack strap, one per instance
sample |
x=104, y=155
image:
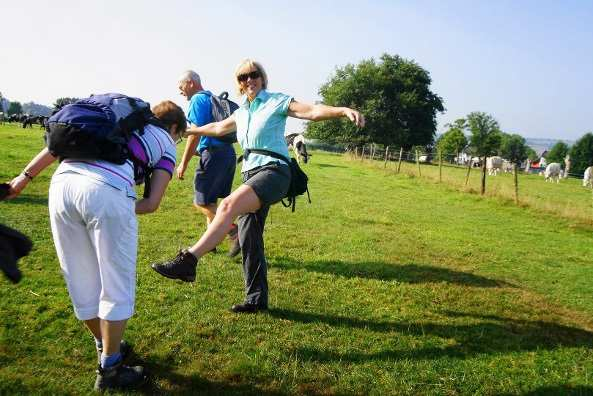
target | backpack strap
x=291, y=199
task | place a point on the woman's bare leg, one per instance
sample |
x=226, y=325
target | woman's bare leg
x=242, y=200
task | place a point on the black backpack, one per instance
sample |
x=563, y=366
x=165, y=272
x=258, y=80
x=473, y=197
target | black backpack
x=298, y=178
x=222, y=108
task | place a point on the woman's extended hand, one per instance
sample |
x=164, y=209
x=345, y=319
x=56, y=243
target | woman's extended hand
x=356, y=117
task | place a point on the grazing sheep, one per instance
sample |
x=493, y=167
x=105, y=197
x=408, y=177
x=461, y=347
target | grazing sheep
x=493, y=165
x=507, y=166
x=588, y=177
x=552, y=172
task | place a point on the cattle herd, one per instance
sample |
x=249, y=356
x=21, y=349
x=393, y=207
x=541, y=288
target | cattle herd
x=552, y=172
x=25, y=120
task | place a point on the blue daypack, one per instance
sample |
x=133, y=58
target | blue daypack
x=98, y=127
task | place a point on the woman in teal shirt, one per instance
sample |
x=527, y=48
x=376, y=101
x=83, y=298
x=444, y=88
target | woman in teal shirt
x=260, y=122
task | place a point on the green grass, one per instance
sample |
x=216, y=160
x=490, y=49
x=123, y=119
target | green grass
x=385, y=284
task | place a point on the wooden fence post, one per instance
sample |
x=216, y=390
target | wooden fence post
x=399, y=163
x=483, y=187
x=372, y=151
x=362, y=154
x=418, y=163
x=516, y=183
x=469, y=168
x=440, y=166
x=355, y=152
x=386, y=156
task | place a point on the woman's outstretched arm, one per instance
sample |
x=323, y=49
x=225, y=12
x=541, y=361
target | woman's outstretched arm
x=318, y=112
x=214, y=129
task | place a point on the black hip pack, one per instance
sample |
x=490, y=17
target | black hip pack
x=298, y=178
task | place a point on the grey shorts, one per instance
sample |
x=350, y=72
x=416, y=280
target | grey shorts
x=270, y=182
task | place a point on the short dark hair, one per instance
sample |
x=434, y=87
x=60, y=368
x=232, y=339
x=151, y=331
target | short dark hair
x=169, y=113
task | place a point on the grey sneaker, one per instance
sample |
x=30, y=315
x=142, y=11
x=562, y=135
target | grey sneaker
x=119, y=376
x=183, y=267
x=124, y=348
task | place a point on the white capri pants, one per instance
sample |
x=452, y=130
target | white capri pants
x=95, y=232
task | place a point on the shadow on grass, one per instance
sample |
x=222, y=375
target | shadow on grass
x=568, y=390
x=27, y=200
x=327, y=166
x=193, y=384
x=406, y=273
x=491, y=335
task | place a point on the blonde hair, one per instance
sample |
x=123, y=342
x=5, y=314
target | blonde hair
x=248, y=64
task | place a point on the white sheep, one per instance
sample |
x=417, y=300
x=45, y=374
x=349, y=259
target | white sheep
x=588, y=177
x=552, y=172
x=493, y=165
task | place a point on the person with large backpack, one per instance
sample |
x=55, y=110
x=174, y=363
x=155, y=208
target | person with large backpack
x=260, y=123
x=217, y=160
x=106, y=144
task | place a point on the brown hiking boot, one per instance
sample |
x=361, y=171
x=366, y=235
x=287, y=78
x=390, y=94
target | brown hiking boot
x=234, y=238
x=235, y=248
x=183, y=267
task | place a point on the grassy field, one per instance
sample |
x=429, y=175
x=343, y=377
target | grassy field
x=386, y=284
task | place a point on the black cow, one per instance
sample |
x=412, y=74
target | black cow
x=27, y=121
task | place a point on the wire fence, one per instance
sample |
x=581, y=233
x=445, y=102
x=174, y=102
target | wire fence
x=566, y=196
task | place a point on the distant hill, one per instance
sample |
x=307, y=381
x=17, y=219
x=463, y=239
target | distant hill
x=540, y=145
x=35, y=109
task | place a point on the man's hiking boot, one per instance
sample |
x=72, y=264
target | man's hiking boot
x=183, y=267
x=119, y=376
x=234, y=238
x=235, y=248
x=125, y=350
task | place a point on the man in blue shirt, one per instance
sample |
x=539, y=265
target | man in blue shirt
x=216, y=169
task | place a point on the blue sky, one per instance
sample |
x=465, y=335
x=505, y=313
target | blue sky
x=527, y=63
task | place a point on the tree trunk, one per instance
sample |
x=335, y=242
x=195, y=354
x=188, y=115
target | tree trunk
x=399, y=163
x=483, y=187
x=386, y=156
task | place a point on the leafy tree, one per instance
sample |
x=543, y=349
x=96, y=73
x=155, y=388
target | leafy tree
x=581, y=153
x=485, y=138
x=532, y=154
x=393, y=94
x=15, y=108
x=454, y=140
x=514, y=148
x=61, y=102
x=557, y=153
x=485, y=133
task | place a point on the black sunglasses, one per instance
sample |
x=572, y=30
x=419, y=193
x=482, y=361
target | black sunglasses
x=252, y=75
